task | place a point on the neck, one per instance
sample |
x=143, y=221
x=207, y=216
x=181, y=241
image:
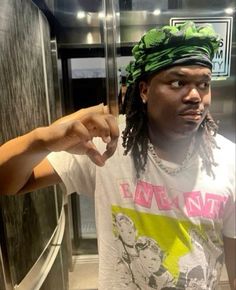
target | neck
x=169, y=148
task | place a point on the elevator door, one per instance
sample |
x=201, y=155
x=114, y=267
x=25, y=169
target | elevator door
x=88, y=89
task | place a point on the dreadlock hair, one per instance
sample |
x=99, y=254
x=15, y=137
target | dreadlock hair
x=135, y=135
x=207, y=142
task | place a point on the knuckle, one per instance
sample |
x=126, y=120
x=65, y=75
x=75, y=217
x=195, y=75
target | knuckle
x=110, y=117
x=75, y=125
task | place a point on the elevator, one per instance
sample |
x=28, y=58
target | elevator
x=58, y=56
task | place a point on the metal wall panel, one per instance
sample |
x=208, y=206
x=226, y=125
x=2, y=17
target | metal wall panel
x=27, y=101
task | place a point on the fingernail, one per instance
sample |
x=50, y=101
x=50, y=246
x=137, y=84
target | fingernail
x=100, y=160
x=107, y=139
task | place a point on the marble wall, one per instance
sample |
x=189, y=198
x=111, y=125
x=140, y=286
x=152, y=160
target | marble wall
x=21, y=70
x=26, y=101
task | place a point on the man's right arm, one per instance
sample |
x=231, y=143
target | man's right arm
x=18, y=157
x=23, y=163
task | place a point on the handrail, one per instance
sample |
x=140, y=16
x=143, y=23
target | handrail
x=38, y=273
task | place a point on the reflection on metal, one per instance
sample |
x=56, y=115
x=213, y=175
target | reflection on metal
x=224, y=27
x=44, y=66
x=110, y=57
x=68, y=229
x=57, y=78
x=3, y=278
x=5, y=275
x=38, y=273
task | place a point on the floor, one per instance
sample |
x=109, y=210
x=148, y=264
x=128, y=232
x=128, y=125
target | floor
x=85, y=274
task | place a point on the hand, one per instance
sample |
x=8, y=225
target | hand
x=75, y=135
x=99, y=109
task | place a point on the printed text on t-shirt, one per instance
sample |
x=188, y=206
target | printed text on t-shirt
x=197, y=204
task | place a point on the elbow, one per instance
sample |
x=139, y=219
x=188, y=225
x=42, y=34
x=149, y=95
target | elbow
x=6, y=190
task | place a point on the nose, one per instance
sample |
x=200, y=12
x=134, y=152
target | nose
x=192, y=95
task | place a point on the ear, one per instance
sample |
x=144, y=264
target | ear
x=143, y=90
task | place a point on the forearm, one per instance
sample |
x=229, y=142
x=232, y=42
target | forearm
x=231, y=270
x=230, y=260
x=18, y=157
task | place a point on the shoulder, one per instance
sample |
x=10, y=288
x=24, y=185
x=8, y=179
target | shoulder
x=224, y=154
x=225, y=147
x=221, y=140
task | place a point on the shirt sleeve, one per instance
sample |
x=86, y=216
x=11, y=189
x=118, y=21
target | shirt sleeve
x=77, y=172
x=229, y=219
x=229, y=226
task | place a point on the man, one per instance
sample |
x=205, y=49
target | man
x=172, y=175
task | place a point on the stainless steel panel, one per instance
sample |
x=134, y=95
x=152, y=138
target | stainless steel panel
x=3, y=278
x=110, y=57
x=27, y=101
x=38, y=273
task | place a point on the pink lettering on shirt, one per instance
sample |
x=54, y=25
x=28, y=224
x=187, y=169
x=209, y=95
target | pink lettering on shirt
x=196, y=203
x=193, y=203
x=213, y=207
x=162, y=200
x=175, y=202
x=126, y=190
x=143, y=194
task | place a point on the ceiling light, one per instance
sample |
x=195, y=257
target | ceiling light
x=229, y=10
x=80, y=14
x=157, y=12
x=101, y=15
x=89, y=38
x=108, y=17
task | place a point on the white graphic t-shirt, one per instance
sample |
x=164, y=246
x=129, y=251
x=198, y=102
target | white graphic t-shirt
x=158, y=231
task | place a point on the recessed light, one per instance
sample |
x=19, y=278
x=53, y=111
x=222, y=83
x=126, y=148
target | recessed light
x=80, y=14
x=101, y=14
x=157, y=12
x=229, y=10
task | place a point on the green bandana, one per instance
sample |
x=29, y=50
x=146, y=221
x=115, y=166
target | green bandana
x=173, y=45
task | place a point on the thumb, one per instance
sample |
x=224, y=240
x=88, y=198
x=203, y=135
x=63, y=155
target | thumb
x=94, y=155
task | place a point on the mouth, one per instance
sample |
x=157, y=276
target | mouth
x=192, y=115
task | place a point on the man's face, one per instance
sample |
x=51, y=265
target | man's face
x=177, y=100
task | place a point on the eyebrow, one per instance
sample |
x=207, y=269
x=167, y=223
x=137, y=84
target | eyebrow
x=205, y=76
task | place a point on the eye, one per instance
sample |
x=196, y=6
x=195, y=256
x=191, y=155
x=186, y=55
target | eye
x=177, y=84
x=204, y=85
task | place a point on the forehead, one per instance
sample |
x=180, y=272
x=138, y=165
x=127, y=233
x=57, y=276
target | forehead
x=150, y=251
x=185, y=71
x=125, y=223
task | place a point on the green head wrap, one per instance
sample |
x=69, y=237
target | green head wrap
x=173, y=45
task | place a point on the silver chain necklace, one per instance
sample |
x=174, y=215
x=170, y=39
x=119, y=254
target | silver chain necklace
x=170, y=170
